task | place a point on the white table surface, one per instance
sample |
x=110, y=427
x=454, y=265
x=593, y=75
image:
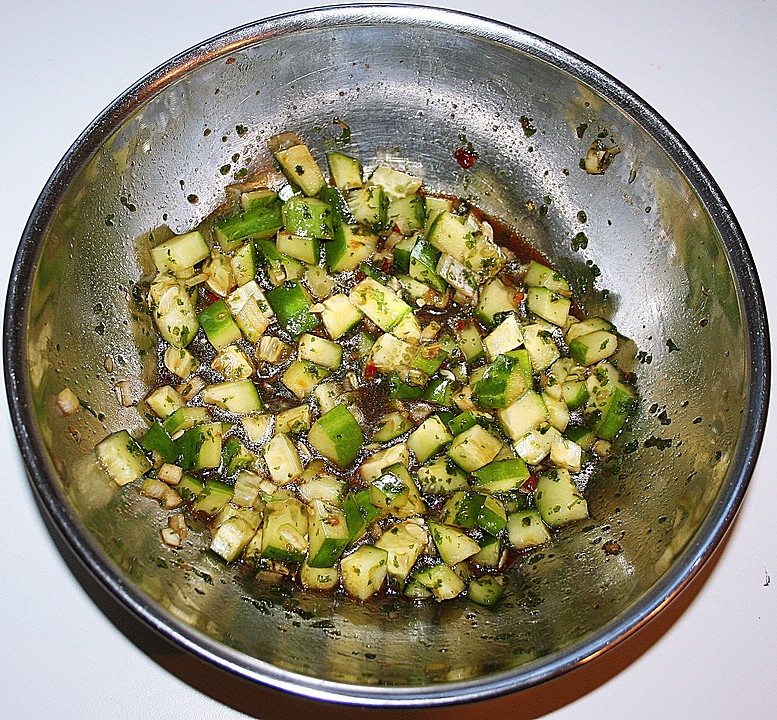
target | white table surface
x=709, y=68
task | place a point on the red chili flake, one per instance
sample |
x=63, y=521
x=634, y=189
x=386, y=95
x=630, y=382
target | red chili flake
x=360, y=276
x=333, y=521
x=459, y=326
x=211, y=296
x=530, y=485
x=396, y=230
x=230, y=61
x=628, y=377
x=370, y=371
x=464, y=157
x=519, y=296
x=386, y=265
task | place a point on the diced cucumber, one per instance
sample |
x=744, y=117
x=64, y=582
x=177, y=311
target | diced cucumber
x=450, y=236
x=291, y=305
x=279, y=267
x=301, y=377
x=439, y=391
x=213, y=496
x=535, y=445
x=541, y=346
x=523, y=415
x=199, y=448
x=501, y=476
x=404, y=542
x=180, y=252
x=471, y=343
x=428, y=438
x=319, y=282
x=495, y=298
x=262, y=220
x=301, y=168
x=284, y=530
x=499, y=384
x=474, y=448
x=574, y=393
x=247, y=486
x=407, y=212
x=231, y=538
x=492, y=516
x=490, y=553
x=431, y=357
x=442, y=477
x=423, y=265
x=558, y=500
x=157, y=440
x=440, y=580
x=185, y=418
x=372, y=468
x=363, y=572
x=164, y=401
x=565, y=453
x=360, y=513
x=558, y=413
x=337, y=436
x=308, y=217
x=395, y=183
x=389, y=353
x=233, y=363
x=294, y=420
x=328, y=533
x=548, y=305
x=352, y=245
x=539, y=275
x=462, y=509
x=391, y=426
x=326, y=395
x=576, y=329
x=486, y=590
x=368, y=205
x=611, y=401
x=452, y=544
x=507, y=336
x=260, y=196
x=340, y=315
x=122, y=458
x=173, y=310
x=218, y=324
x=581, y=435
x=525, y=529
x=458, y=276
x=305, y=249
x=318, y=578
x=346, y=171
x=594, y=346
x=435, y=206
x=467, y=419
x=320, y=351
x=245, y=263
x=379, y=303
x=396, y=492
x=236, y=396
x=408, y=329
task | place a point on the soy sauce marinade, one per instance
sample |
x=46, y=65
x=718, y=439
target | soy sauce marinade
x=368, y=388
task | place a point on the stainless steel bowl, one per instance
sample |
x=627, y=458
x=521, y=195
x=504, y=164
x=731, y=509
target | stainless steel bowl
x=664, y=257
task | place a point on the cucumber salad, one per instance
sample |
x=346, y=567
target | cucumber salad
x=367, y=388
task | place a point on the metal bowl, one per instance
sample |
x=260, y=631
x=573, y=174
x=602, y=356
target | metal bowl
x=661, y=254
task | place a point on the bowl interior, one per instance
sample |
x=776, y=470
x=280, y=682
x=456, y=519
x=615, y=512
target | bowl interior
x=411, y=88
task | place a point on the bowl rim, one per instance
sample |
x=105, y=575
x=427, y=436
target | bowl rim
x=697, y=551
